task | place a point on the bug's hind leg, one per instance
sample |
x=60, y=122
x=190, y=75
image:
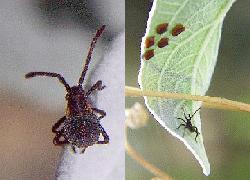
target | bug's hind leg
x=57, y=141
x=197, y=133
x=97, y=86
x=74, y=149
x=57, y=124
x=105, y=136
x=101, y=112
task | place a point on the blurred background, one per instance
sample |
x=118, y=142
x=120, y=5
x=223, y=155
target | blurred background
x=226, y=134
x=49, y=35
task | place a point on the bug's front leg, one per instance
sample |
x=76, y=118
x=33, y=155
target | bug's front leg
x=101, y=112
x=97, y=86
x=57, y=124
x=184, y=112
x=182, y=120
x=105, y=136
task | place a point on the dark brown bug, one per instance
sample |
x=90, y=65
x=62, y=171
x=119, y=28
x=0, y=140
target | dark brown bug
x=148, y=54
x=163, y=42
x=149, y=42
x=188, y=124
x=179, y=28
x=161, y=28
x=80, y=127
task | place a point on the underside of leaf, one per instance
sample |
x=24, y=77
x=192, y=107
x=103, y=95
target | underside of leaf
x=178, y=54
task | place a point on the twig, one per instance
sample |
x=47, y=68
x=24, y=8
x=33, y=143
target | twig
x=209, y=102
x=137, y=157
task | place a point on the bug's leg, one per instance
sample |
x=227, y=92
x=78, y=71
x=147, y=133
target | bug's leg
x=182, y=120
x=73, y=148
x=57, y=141
x=57, y=124
x=83, y=150
x=184, y=112
x=197, y=133
x=88, y=59
x=97, y=86
x=180, y=126
x=49, y=74
x=105, y=136
x=184, y=131
x=101, y=112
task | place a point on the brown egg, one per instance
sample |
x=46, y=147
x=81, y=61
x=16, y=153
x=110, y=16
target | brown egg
x=179, y=28
x=148, y=54
x=163, y=42
x=149, y=41
x=161, y=28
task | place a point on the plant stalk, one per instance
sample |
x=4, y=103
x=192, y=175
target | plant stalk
x=209, y=102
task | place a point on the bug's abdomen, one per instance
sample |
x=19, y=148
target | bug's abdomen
x=82, y=131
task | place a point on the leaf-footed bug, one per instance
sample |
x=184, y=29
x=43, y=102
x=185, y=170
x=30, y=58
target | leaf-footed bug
x=188, y=124
x=80, y=127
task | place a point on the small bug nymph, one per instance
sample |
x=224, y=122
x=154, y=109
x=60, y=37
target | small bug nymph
x=188, y=124
x=80, y=126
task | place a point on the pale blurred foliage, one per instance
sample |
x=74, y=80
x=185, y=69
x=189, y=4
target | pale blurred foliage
x=136, y=116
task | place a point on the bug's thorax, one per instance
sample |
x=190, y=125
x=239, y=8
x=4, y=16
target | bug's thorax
x=189, y=123
x=78, y=103
x=190, y=126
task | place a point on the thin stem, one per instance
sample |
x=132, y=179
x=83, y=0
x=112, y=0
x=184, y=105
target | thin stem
x=209, y=102
x=137, y=157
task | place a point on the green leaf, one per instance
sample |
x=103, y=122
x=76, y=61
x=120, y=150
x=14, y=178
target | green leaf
x=185, y=65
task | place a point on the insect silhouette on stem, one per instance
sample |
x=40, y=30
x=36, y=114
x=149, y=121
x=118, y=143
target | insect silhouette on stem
x=80, y=127
x=188, y=124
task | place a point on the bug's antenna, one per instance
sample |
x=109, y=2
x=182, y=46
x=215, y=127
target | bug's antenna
x=88, y=59
x=195, y=112
x=49, y=74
